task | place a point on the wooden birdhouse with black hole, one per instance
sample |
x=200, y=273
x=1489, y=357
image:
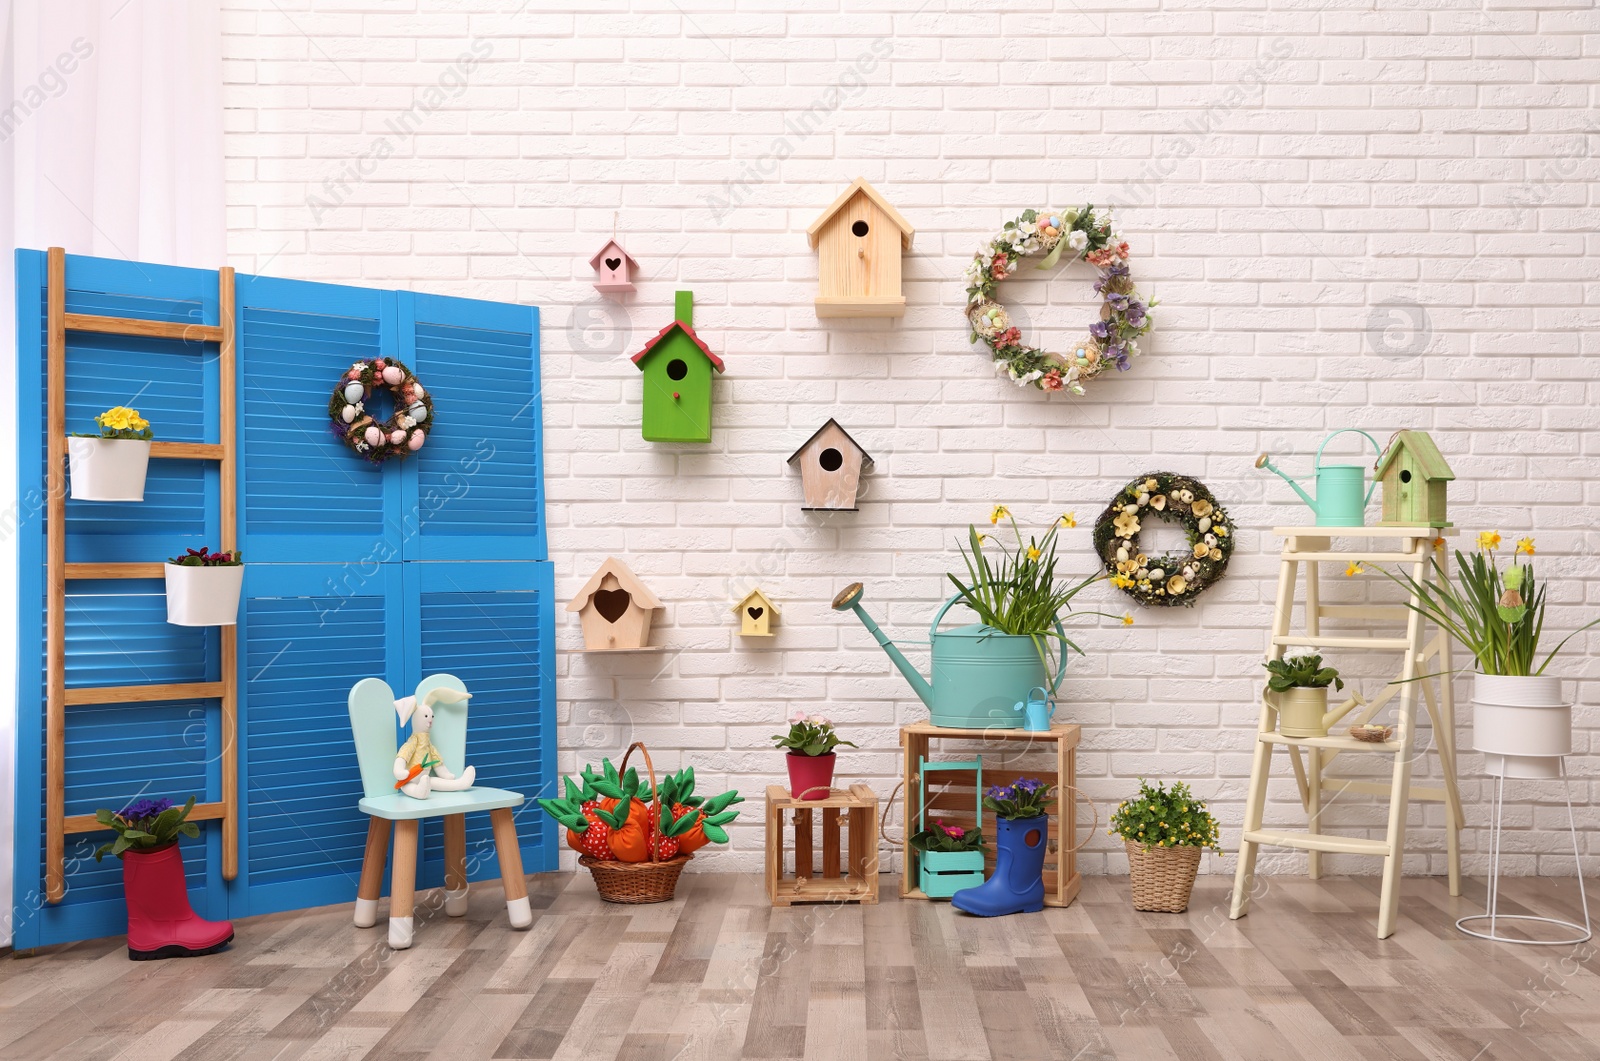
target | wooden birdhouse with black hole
x=757, y=615
x=1415, y=478
x=616, y=609
x=677, y=369
x=830, y=468
x=859, y=241
x=613, y=269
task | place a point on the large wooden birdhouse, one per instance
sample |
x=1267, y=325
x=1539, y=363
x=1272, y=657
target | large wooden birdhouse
x=616, y=609
x=859, y=241
x=677, y=369
x=1415, y=478
x=757, y=615
x=613, y=269
x=830, y=468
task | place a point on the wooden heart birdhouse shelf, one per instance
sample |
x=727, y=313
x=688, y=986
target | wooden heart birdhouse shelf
x=677, y=369
x=613, y=269
x=859, y=240
x=757, y=615
x=1415, y=479
x=830, y=468
x=616, y=609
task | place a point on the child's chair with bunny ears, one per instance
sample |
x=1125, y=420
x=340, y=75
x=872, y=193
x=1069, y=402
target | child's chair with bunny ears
x=374, y=716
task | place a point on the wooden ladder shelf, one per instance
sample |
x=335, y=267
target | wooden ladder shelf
x=1307, y=547
x=58, y=572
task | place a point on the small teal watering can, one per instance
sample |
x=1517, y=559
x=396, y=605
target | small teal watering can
x=1339, y=501
x=979, y=673
x=1036, y=710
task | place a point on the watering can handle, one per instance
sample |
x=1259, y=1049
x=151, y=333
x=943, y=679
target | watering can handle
x=1318, y=462
x=1061, y=671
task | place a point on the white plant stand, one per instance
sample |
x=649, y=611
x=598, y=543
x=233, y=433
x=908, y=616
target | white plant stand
x=1494, y=917
x=1422, y=658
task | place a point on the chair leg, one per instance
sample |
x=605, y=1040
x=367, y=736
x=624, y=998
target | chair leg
x=403, y=884
x=509, y=853
x=371, y=888
x=455, y=865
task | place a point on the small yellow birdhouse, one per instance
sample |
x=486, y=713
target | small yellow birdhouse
x=616, y=609
x=859, y=241
x=757, y=615
x=1415, y=477
x=830, y=468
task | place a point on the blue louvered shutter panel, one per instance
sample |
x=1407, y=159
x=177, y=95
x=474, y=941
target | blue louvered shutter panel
x=303, y=494
x=492, y=626
x=479, y=487
x=310, y=632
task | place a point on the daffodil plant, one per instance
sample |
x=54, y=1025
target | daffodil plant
x=1014, y=589
x=1498, y=615
x=120, y=422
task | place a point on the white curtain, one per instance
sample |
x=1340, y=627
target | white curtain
x=110, y=145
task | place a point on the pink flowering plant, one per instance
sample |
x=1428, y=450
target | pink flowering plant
x=202, y=558
x=809, y=735
x=942, y=837
x=1113, y=337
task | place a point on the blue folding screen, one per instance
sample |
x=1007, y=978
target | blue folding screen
x=435, y=563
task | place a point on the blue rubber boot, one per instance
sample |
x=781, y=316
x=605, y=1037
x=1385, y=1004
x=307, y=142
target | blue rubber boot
x=1017, y=886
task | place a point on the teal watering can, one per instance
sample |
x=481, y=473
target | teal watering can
x=1036, y=710
x=979, y=673
x=1339, y=501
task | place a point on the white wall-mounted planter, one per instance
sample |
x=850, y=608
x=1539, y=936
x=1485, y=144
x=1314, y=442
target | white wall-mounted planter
x=203, y=596
x=107, y=469
x=1521, y=725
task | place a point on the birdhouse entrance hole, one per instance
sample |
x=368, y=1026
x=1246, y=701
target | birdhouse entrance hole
x=1405, y=475
x=830, y=459
x=756, y=613
x=860, y=228
x=612, y=604
x=677, y=368
x=613, y=263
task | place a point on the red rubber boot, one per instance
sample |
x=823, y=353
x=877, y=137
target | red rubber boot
x=161, y=924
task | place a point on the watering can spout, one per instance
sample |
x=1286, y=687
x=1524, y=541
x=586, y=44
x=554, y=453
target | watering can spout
x=1265, y=461
x=849, y=599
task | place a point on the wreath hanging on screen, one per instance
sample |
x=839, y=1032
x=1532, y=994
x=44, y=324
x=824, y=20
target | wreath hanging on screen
x=403, y=433
x=1111, y=339
x=1176, y=578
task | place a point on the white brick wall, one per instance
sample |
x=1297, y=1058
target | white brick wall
x=1293, y=183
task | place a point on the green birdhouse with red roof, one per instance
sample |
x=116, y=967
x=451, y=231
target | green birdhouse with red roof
x=677, y=369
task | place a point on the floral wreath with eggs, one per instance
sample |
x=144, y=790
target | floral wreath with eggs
x=1172, y=579
x=1111, y=340
x=397, y=437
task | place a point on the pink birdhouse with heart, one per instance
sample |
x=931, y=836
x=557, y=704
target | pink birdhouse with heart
x=613, y=269
x=616, y=609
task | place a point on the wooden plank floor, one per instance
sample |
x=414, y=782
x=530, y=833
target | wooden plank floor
x=719, y=974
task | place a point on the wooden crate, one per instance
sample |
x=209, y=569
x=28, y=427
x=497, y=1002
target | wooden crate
x=853, y=812
x=953, y=800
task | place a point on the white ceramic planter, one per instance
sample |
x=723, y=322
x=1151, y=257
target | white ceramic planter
x=107, y=469
x=1300, y=712
x=1521, y=725
x=203, y=596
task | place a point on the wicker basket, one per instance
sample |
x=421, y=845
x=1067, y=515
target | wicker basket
x=637, y=882
x=1162, y=877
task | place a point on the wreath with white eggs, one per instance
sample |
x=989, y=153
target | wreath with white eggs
x=1175, y=578
x=397, y=437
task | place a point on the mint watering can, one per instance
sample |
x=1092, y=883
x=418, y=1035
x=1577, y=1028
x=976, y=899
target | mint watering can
x=979, y=673
x=1339, y=501
x=1036, y=710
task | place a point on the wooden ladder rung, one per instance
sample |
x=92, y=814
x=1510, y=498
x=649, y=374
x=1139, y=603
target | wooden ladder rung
x=1335, y=743
x=1343, y=845
x=85, y=823
x=1341, y=641
x=152, y=570
x=1428, y=793
x=193, y=451
x=141, y=694
x=185, y=330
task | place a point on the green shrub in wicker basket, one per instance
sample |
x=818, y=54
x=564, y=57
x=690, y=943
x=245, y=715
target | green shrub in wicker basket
x=1164, y=831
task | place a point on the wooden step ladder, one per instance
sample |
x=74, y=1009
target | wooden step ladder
x=58, y=572
x=1422, y=663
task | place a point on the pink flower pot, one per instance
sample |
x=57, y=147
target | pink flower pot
x=810, y=776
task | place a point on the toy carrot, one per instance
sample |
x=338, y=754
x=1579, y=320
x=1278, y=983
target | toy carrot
x=426, y=765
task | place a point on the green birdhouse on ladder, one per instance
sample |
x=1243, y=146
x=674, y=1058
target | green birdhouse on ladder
x=1414, y=477
x=677, y=370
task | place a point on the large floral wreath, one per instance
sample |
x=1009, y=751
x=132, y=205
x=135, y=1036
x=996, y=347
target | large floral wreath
x=400, y=435
x=1173, y=579
x=1112, y=339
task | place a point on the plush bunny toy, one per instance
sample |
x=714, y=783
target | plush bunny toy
x=418, y=766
